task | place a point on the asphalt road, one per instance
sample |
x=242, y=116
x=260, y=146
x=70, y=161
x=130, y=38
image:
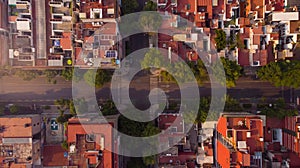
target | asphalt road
x=38, y=91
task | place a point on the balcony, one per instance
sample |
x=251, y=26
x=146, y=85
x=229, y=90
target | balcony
x=54, y=37
x=55, y=4
x=56, y=21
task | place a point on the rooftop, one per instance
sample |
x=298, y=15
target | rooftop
x=101, y=140
x=54, y=156
x=18, y=127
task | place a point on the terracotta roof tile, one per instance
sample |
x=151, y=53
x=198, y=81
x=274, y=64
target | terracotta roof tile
x=243, y=58
x=54, y=156
x=186, y=6
x=15, y=127
x=13, y=18
x=75, y=128
x=258, y=5
x=66, y=41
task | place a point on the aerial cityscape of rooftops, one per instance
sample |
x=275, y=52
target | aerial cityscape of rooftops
x=149, y=83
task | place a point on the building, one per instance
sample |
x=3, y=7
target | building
x=239, y=140
x=181, y=152
x=206, y=143
x=22, y=48
x=282, y=142
x=20, y=141
x=92, y=143
x=4, y=32
x=96, y=34
x=59, y=34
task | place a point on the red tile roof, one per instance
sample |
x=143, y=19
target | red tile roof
x=257, y=30
x=54, y=156
x=15, y=127
x=167, y=120
x=183, y=4
x=66, y=41
x=242, y=126
x=258, y=5
x=75, y=128
x=13, y=18
x=261, y=56
x=183, y=157
x=243, y=58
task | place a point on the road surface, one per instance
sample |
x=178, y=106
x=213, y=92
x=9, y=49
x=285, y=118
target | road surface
x=39, y=91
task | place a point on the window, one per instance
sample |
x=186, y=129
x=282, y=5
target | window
x=174, y=129
x=90, y=138
x=188, y=6
x=275, y=138
x=201, y=8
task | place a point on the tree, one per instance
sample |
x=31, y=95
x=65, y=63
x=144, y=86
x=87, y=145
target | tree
x=63, y=118
x=129, y=6
x=232, y=105
x=96, y=78
x=27, y=75
x=2, y=109
x=220, y=39
x=210, y=109
x=199, y=71
x=79, y=105
x=239, y=43
x=64, y=145
x=150, y=22
x=150, y=6
x=50, y=75
x=231, y=69
x=175, y=71
x=13, y=109
x=136, y=163
x=279, y=110
x=74, y=74
x=62, y=104
x=150, y=130
x=130, y=127
x=109, y=108
x=281, y=74
x=149, y=160
x=153, y=58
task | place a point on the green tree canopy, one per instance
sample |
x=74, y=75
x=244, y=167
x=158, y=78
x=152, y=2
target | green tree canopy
x=97, y=78
x=220, y=39
x=74, y=74
x=231, y=69
x=14, y=109
x=80, y=105
x=50, y=75
x=153, y=58
x=129, y=6
x=199, y=71
x=109, y=108
x=281, y=74
x=27, y=75
x=279, y=110
x=176, y=71
x=206, y=104
x=150, y=21
x=150, y=6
